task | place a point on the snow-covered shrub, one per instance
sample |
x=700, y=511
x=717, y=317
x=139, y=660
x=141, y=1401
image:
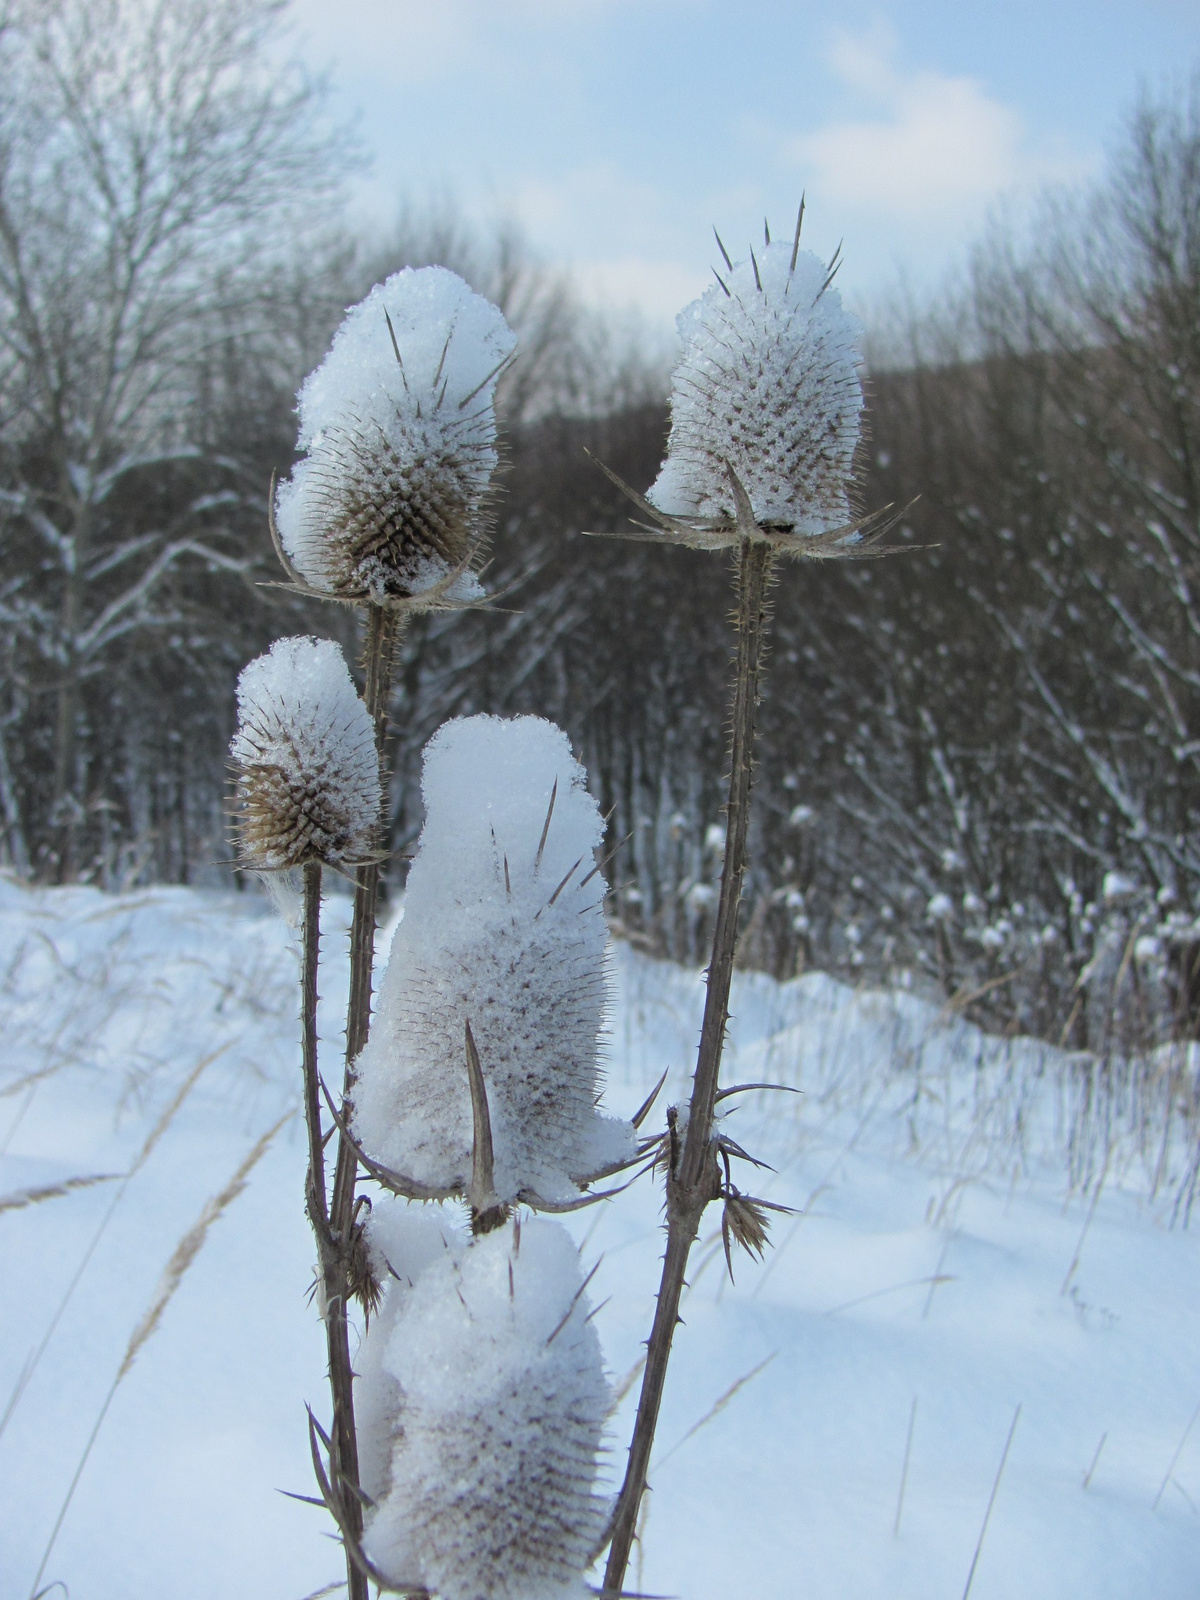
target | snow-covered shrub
x=767, y=384
x=400, y=433
x=304, y=754
x=504, y=930
x=481, y=1408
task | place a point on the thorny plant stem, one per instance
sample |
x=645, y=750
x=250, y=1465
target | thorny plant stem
x=692, y=1178
x=315, y=1191
x=382, y=634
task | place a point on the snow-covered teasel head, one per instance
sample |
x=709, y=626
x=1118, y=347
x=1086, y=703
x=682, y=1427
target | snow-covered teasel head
x=766, y=404
x=503, y=930
x=483, y=1413
x=768, y=384
x=398, y=422
x=305, y=758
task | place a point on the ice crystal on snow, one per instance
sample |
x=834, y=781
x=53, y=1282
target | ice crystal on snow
x=304, y=753
x=503, y=929
x=400, y=433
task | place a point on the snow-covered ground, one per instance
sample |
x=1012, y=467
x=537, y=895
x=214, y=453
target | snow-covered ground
x=942, y=1269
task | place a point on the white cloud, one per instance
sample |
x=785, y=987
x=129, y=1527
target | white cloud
x=934, y=148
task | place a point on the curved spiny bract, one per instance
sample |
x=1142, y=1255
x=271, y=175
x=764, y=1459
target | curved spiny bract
x=390, y=503
x=767, y=392
x=486, y=1380
x=305, y=759
x=503, y=930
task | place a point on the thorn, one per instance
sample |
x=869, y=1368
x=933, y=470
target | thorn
x=483, y=1169
x=722, y=249
x=601, y=865
x=796, y=240
x=766, y=233
x=396, y=348
x=507, y=879
x=546, y=826
x=560, y=888
x=722, y=282
x=643, y=1110
x=577, y=1297
x=442, y=361
x=757, y=279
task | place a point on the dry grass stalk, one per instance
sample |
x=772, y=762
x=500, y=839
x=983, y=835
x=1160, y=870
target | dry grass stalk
x=184, y=1254
x=987, y=1515
x=18, y=1199
x=166, y=1117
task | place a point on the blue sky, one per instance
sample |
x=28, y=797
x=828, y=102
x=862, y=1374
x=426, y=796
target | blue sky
x=618, y=131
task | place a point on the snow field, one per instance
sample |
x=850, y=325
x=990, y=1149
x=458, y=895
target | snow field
x=918, y=1152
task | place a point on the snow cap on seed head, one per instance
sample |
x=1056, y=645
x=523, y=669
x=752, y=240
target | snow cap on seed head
x=398, y=422
x=305, y=759
x=503, y=930
x=482, y=1409
x=768, y=385
x=766, y=404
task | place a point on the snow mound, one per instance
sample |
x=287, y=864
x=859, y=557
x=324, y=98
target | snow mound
x=503, y=929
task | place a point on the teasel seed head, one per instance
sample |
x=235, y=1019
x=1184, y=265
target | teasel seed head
x=502, y=953
x=305, y=760
x=766, y=405
x=389, y=504
x=487, y=1373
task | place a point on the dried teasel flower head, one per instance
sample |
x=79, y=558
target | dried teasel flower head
x=305, y=759
x=398, y=424
x=481, y=1413
x=503, y=931
x=768, y=384
x=766, y=405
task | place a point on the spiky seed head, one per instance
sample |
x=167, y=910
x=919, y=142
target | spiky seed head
x=305, y=759
x=745, y=1221
x=768, y=385
x=503, y=930
x=389, y=503
x=498, y=1402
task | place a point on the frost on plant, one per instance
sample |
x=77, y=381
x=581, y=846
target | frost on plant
x=768, y=383
x=765, y=409
x=398, y=423
x=304, y=754
x=503, y=929
x=481, y=1410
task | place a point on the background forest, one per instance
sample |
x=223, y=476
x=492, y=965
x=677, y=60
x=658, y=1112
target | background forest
x=980, y=759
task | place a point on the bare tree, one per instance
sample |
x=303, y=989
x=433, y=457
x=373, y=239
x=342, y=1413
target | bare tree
x=153, y=167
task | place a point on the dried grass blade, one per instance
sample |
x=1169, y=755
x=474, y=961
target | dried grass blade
x=20, y=1198
x=152, y=1139
x=719, y=1405
x=184, y=1254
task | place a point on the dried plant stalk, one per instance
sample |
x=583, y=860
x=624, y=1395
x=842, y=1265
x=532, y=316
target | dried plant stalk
x=383, y=629
x=693, y=1178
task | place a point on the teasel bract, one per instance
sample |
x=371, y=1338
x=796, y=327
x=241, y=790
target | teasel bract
x=305, y=761
x=481, y=1412
x=389, y=503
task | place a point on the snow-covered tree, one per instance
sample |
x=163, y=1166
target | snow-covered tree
x=153, y=159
